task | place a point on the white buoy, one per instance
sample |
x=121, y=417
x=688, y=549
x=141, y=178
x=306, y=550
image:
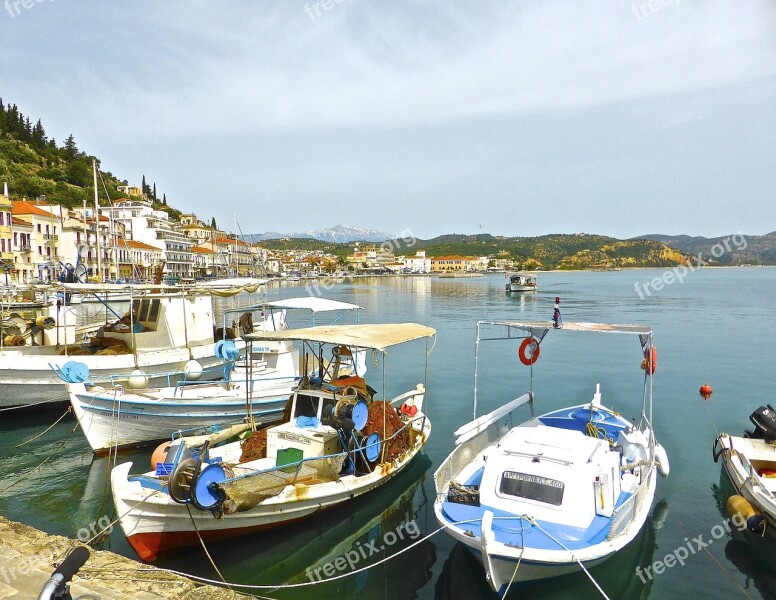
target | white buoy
x=661, y=456
x=137, y=380
x=192, y=370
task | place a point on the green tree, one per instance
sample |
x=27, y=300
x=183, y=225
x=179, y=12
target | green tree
x=70, y=150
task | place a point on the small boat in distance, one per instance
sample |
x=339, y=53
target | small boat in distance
x=560, y=492
x=339, y=442
x=521, y=282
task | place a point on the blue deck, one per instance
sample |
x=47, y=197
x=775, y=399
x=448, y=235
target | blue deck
x=577, y=419
x=512, y=530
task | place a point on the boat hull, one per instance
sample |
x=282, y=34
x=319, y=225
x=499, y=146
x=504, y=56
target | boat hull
x=27, y=379
x=749, y=486
x=155, y=525
x=118, y=419
x=543, y=564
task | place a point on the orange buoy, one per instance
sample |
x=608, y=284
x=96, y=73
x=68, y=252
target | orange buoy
x=649, y=364
x=528, y=351
x=705, y=391
x=160, y=454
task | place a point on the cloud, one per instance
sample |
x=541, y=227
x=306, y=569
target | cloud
x=181, y=69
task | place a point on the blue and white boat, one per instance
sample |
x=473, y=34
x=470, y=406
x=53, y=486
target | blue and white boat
x=560, y=492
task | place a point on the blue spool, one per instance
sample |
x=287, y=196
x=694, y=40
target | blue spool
x=205, y=493
x=217, y=349
x=372, y=447
x=229, y=350
x=360, y=414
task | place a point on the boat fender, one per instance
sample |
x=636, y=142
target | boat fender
x=528, y=351
x=192, y=370
x=738, y=505
x=137, y=380
x=661, y=456
x=160, y=454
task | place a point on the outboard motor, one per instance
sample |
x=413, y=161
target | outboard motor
x=764, y=421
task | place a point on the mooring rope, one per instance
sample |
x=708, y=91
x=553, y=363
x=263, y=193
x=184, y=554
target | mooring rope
x=43, y=462
x=69, y=409
x=246, y=586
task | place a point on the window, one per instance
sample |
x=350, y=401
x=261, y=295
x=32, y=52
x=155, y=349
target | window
x=532, y=487
x=38, y=227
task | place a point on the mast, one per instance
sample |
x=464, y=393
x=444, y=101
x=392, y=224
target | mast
x=97, y=222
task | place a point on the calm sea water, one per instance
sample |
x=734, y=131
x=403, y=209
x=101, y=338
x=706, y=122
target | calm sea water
x=717, y=327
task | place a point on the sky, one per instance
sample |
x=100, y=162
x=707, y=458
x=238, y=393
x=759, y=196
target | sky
x=512, y=118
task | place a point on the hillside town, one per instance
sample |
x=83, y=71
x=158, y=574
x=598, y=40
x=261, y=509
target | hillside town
x=129, y=239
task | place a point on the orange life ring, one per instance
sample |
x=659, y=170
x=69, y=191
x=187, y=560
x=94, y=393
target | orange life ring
x=645, y=364
x=529, y=351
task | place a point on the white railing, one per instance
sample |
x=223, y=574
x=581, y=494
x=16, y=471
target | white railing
x=623, y=516
x=463, y=455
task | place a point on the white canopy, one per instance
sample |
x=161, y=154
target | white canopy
x=374, y=337
x=312, y=304
x=543, y=326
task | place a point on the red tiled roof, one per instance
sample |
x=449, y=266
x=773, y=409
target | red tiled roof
x=21, y=222
x=140, y=245
x=22, y=207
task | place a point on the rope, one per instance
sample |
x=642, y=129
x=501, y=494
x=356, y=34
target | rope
x=43, y=462
x=716, y=561
x=201, y=541
x=579, y=562
x=18, y=407
x=379, y=562
x=514, y=574
x=69, y=408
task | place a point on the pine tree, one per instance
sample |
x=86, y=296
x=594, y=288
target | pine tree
x=38, y=136
x=213, y=224
x=70, y=149
x=154, y=191
x=164, y=199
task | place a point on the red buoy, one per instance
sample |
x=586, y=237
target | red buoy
x=705, y=391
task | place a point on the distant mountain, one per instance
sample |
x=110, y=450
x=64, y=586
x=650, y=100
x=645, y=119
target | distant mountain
x=339, y=234
x=733, y=249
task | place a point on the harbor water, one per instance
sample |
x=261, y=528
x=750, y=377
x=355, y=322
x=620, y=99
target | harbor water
x=718, y=327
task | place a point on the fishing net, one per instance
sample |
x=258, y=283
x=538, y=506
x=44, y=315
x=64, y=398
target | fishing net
x=254, y=447
x=384, y=421
x=245, y=493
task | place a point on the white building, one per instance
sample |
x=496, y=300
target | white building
x=418, y=263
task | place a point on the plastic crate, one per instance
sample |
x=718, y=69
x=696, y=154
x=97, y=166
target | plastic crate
x=288, y=456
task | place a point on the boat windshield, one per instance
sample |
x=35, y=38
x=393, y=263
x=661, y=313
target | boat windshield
x=532, y=487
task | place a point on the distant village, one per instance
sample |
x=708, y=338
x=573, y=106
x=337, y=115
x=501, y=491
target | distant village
x=129, y=240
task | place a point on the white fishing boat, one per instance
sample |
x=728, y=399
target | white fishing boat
x=521, y=282
x=339, y=443
x=560, y=492
x=164, y=329
x=750, y=464
x=127, y=413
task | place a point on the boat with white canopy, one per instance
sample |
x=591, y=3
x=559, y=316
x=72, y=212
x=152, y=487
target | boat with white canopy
x=559, y=492
x=127, y=413
x=167, y=329
x=342, y=439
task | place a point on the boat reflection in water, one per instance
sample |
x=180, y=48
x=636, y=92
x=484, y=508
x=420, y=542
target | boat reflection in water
x=461, y=575
x=750, y=553
x=298, y=553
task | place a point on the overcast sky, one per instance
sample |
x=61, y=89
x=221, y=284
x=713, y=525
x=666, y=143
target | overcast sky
x=513, y=118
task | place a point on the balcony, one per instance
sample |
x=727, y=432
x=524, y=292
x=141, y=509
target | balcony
x=51, y=237
x=24, y=249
